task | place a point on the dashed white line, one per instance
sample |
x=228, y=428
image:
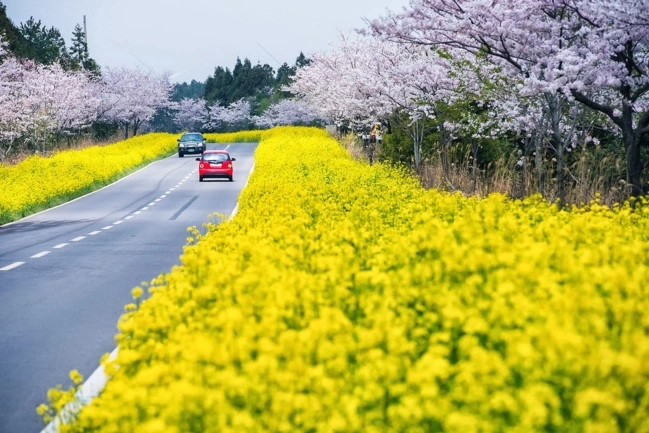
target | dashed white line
x=96, y=232
x=158, y=199
x=12, y=266
x=163, y=196
x=168, y=192
x=78, y=238
x=137, y=213
x=59, y=246
x=145, y=208
x=39, y=255
x=152, y=203
x=107, y=228
x=116, y=223
x=128, y=217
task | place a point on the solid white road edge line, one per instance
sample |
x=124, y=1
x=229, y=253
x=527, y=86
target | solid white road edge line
x=97, y=380
x=89, y=390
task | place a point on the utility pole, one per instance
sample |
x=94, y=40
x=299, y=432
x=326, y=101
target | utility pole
x=85, y=33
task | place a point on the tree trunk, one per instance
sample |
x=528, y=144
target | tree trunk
x=632, y=136
x=635, y=167
x=538, y=160
x=554, y=105
x=474, y=152
x=632, y=141
x=417, y=139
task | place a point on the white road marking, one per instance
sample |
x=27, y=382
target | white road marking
x=163, y=196
x=59, y=246
x=158, y=199
x=168, y=192
x=39, y=255
x=152, y=203
x=12, y=266
x=116, y=223
x=96, y=232
x=78, y=238
x=144, y=208
x=107, y=228
x=137, y=213
x=128, y=217
x=171, y=189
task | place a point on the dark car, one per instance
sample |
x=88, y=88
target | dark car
x=191, y=142
x=215, y=163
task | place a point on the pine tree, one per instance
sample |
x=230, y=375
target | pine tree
x=79, y=48
x=80, y=58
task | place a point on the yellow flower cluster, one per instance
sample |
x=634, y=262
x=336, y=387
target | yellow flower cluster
x=234, y=137
x=345, y=298
x=38, y=183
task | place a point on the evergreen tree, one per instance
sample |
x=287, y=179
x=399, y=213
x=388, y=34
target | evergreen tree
x=193, y=90
x=43, y=45
x=10, y=33
x=79, y=48
x=79, y=57
x=302, y=60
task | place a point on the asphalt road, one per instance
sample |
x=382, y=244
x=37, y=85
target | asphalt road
x=66, y=274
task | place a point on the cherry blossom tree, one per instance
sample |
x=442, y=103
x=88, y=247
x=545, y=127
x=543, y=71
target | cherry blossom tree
x=235, y=116
x=130, y=96
x=287, y=112
x=190, y=114
x=365, y=80
x=14, y=114
x=60, y=102
x=38, y=101
x=591, y=51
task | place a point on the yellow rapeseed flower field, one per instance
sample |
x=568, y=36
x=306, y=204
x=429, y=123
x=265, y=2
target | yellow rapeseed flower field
x=38, y=183
x=234, y=137
x=343, y=297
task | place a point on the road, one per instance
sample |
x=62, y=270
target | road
x=66, y=273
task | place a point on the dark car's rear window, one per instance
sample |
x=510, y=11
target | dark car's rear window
x=191, y=137
x=216, y=157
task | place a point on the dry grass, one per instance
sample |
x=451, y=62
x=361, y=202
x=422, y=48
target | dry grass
x=589, y=177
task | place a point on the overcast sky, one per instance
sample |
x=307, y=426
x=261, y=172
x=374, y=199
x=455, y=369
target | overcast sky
x=191, y=37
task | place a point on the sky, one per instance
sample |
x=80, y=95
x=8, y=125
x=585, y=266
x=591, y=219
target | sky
x=189, y=38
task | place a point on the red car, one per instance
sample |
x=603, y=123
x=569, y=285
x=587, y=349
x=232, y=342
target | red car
x=215, y=163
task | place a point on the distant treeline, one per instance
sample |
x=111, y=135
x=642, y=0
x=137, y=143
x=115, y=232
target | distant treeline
x=32, y=40
x=261, y=83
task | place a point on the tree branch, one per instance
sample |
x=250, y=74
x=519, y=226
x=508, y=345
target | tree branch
x=605, y=109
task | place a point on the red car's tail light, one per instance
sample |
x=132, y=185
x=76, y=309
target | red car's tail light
x=229, y=165
x=201, y=165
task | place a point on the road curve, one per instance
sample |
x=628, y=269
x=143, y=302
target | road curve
x=66, y=273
